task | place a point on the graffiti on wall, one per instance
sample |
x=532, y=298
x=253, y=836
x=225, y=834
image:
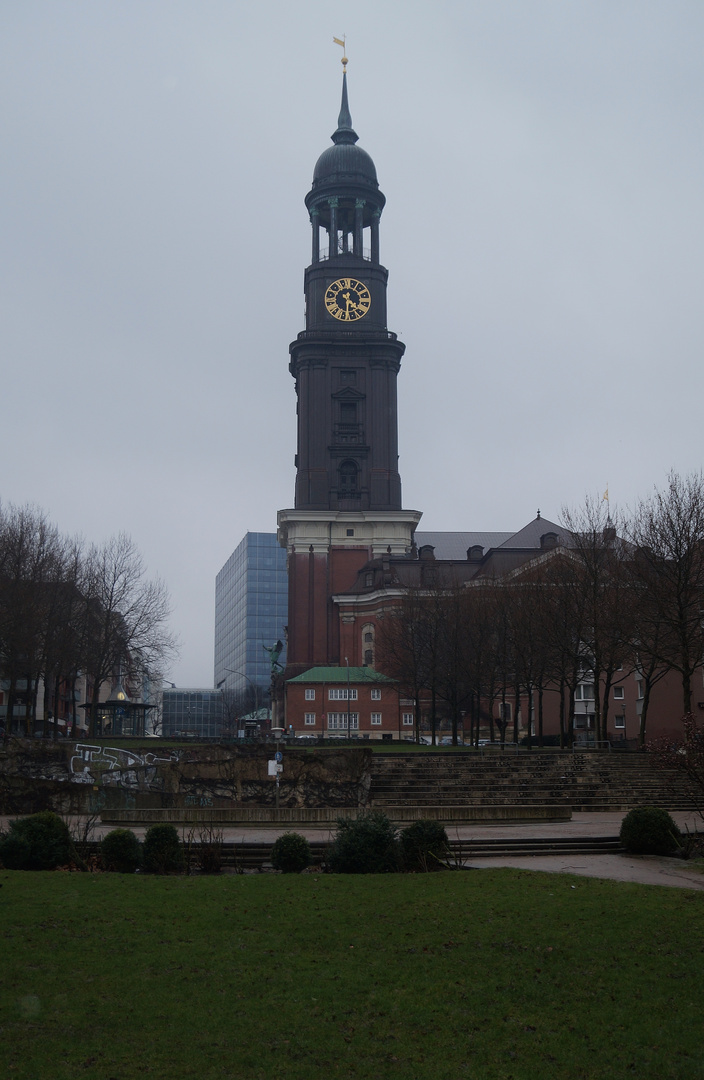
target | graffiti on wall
x=109, y=766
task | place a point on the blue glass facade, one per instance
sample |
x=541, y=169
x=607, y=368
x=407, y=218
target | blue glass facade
x=195, y=713
x=251, y=610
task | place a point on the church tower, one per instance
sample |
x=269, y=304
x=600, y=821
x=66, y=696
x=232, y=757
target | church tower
x=348, y=506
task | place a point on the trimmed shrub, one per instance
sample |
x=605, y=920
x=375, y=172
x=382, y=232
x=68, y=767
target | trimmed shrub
x=424, y=846
x=290, y=853
x=121, y=851
x=649, y=830
x=163, y=852
x=39, y=842
x=548, y=740
x=365, y=845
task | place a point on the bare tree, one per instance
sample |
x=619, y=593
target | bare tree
x=30, y=562
x=647, y=636
x=450, y=612
x=686, y=755
x=125, y=616
x=484, y=652
x=564, y=626
x=524, y=596
x=404, y=649
x=667, y=531
x=605, y=595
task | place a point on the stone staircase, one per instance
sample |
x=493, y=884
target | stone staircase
x=584, y=780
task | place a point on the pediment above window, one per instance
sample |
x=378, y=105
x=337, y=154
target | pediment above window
x=348, y=393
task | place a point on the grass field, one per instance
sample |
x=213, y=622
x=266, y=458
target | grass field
x=485, y=974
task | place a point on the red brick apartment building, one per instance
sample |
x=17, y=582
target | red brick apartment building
x=329, y=701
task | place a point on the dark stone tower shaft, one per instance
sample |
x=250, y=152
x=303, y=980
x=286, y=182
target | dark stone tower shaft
x=348, y=506
x=345, y=362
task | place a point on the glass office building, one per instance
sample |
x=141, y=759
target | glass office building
x=251, y=611
x=194, y=713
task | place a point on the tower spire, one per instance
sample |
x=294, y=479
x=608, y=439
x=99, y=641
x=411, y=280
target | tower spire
x=345, y=132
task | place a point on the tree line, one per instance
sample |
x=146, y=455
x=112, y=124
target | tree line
x=624, y=594
x=68, y=610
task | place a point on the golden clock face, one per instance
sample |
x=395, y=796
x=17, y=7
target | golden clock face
x=347, y=299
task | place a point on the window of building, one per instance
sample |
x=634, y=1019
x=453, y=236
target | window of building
x=350, y=532
x=505, y=710
x=348, y=378
x=584, y=692
x=407, y=719
x=310, y=695
x=619, y=721
x=309, y=719
x=640, y=693
x=368, y=580
x=348, y=412
x=337, y=721
x=348, y=477
x=376, y=695
x=619, y=692
x=339, y=693
x=367, y=642
x=376, y=718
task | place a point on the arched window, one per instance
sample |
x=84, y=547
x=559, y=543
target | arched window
x=368, y=644
x=348, y=478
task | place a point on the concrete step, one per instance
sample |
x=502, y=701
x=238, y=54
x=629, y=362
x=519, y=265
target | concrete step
x=585, y=780
x=257, y=854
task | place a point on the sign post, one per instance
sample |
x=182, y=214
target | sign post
x=275, y=763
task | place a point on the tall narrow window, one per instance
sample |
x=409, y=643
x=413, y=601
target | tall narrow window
x=348, y=478
x=368, y=644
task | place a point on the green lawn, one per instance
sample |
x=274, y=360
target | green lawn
x=485, y=974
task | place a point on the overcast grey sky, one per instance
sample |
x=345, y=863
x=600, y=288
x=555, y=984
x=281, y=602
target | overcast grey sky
x=543, y=167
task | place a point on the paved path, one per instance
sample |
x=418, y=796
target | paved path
x=646, y=869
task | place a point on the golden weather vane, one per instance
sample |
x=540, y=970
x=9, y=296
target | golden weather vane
x=342, y=43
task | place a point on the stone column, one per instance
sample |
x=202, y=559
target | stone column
x=375, y=235
x=332, y=203
x=359, y=227
x=316, y=235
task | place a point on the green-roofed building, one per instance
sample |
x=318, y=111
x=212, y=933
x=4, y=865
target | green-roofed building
x=340, y=675
x=355, y=702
